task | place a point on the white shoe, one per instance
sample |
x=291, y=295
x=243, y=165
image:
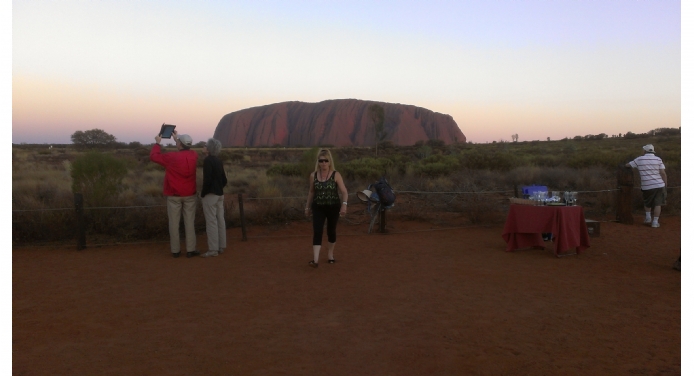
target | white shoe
x=655, y=225
x=209, y=254
x=647, y=221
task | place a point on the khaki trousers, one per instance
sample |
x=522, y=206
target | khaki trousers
x=213, y=207
x=174, y=206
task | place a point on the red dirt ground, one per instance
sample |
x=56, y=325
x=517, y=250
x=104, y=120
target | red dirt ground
x=416, y=301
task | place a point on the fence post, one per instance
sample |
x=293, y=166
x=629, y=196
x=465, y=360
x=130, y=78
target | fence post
x=515, y=190
x=79, y=208
x=243, y=222
x=382, y=224
x=625, y=181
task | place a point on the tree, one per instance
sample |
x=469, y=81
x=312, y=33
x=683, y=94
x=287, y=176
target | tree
x=377, y=115
x=92, y=138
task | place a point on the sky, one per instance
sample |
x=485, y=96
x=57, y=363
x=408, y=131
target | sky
x=536, y=68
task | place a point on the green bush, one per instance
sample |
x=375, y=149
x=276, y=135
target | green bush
x=436, y=165
x=434, y=143
x=366, y=168
x=304, y=167
x=595, y=158
x=424, y=151
x=486, y=159
x=98, y=176
x=285, y=169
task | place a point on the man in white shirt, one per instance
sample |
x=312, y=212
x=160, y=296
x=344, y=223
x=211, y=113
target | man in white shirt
x=653, y=183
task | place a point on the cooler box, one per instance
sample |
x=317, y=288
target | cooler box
x=529, y=190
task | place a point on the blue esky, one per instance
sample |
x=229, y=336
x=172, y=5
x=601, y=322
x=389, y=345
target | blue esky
x=537, y=68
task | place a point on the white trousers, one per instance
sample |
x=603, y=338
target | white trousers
x=213, y=207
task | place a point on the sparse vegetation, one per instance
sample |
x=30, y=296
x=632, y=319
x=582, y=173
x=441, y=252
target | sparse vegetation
x=273, y=178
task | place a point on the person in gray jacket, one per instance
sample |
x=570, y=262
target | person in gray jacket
x=214, y=180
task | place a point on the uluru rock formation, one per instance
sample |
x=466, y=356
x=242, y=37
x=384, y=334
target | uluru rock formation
x=338, y=122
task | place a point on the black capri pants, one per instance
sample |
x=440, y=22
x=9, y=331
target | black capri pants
x=320, y=214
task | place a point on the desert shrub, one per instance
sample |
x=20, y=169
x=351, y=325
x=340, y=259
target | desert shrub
x=585, y=160
x=386, y=145
x=97, y=176
x=366, y=168
x=436, y=165
x=30, y=199
x=229, y=156
x=303, y=167
x=41, y=226
x=546, y=160
x=285, y=169
x=142, y=154
x=487, y=159
x=424, y=151
x=237, y=186
x=398, y=165
x=435, y=143
x=268, y=204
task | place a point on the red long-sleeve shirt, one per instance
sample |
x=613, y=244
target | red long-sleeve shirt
x=181, y=166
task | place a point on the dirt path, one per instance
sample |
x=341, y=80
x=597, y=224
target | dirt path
x=413, y=302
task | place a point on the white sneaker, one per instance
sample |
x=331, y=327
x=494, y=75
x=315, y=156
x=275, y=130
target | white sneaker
x=655, y=225
x=209, y=254
x=647, y=221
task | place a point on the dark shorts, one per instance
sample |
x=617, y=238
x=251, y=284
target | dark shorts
x=653, y=197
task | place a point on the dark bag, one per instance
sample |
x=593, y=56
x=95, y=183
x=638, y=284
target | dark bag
x=385, y=193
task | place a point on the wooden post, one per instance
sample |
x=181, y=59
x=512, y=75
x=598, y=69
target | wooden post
x=382, y=224
x=243, y=222
x=625, y=182
x=79, y=208
x=515, y=190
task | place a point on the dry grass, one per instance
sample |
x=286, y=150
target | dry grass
x=42, y=181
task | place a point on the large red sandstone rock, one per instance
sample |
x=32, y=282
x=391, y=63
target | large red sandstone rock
x=339, y=122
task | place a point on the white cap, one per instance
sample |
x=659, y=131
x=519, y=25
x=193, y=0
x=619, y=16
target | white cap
x=185, y=140
x=364, y=195
x=649, y=148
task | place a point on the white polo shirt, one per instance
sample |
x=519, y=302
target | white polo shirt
x=649, y=168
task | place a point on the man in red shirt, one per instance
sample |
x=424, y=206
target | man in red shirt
x=179, y=189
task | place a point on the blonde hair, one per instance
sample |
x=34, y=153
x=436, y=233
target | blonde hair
x=324, y=153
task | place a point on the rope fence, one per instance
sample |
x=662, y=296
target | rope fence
x=301, y=197
x=292, y=212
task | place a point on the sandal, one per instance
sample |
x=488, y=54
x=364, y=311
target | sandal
x=312, y=264
x=331, y=261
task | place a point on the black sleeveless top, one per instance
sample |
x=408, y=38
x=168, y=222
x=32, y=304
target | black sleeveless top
x=325, y=192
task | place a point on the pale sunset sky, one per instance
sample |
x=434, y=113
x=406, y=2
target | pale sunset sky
x=537, y=68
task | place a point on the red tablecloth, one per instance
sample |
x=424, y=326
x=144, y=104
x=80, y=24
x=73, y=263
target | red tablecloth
x=525, y=225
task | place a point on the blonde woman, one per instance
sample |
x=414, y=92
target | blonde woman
x=327, y=200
